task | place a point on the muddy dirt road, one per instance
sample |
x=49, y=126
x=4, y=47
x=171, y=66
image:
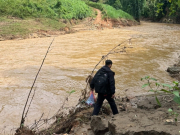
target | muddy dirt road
x=71, y=60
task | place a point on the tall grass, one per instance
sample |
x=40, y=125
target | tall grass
x=109, y=11
x=66, y=9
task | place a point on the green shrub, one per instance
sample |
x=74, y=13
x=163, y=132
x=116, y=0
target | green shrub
x=14, y=29
x=95, y=5
x=109, y=11
x=113, y=13
x=66, y=9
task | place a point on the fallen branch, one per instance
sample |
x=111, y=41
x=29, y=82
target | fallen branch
x=36, y=123
x=24, y=116
x=41, y=121
x=30, y=103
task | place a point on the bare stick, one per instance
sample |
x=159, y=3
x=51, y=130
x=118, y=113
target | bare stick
x=23, y=118
x=36, y=123
x=30, y=103
x=103, y=57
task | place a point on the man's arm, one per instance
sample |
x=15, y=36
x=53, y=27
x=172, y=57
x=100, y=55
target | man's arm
x=112, y=82
x=92, y=84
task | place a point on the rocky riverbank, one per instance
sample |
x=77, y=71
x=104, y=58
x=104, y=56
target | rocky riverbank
x=137, y=116
x=174, y=71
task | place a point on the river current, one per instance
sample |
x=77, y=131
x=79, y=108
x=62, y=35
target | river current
x=72, y=57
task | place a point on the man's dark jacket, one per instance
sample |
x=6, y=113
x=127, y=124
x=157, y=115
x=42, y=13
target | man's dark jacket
x=110, y=87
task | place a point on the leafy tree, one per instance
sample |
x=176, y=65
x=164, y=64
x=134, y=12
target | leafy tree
x=133, y=7
x=175, y=5
x=117, y=4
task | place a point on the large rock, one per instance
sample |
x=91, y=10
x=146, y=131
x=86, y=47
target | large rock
x=141, y=122
x=99, y=125
x=173, y=70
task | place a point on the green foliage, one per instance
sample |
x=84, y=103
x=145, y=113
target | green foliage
x=177, y=99
x=53, y=24
x=174, y=6
x=173, y=114
x=157, y=88
x=58, y=120
x=158, y=102
x=109, y=11
x=133, y=7
x=95, y=5
x=22, y=28
x=66, y=9
x=178, y=3
x=70, y=92
x=117, y=4
x=15, y=28
x=157, y=9
x=150, y=9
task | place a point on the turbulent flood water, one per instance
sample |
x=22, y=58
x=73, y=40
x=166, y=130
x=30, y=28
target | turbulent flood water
x=71, y=59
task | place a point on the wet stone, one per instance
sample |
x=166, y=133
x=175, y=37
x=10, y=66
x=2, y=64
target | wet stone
x=98, y=125
x=173, y=70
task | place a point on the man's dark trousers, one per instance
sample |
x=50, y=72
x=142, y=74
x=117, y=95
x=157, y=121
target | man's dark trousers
x=99, y=103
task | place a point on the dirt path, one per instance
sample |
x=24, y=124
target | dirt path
x=90, y=23
x=98, y=17
x=111, y=23
x=102, y=23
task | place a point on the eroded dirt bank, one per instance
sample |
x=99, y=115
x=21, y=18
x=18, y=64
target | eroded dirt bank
x=68, y=26
x=137, y=116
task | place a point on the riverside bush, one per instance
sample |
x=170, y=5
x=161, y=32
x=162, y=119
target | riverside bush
x=109, y=11
x=66, y=9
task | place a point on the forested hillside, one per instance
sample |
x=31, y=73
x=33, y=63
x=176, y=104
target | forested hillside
x=152, y=9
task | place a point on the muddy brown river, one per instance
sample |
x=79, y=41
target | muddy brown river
x=72, y=58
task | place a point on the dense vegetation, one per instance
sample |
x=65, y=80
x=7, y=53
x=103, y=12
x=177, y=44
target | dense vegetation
x=38, y=15
x=152, y=9
x=131, y=7
x=66, y=9
x=109, y=11
x=48, y=15
x=78, y=9
x=158, y=9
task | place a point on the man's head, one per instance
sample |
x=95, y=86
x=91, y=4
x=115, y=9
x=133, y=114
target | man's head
x=108, y=63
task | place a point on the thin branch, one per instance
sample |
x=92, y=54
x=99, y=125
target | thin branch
x=103, y=57
x=36, y=123
x=108, y=54
x=30, y=103
x=23, y=118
